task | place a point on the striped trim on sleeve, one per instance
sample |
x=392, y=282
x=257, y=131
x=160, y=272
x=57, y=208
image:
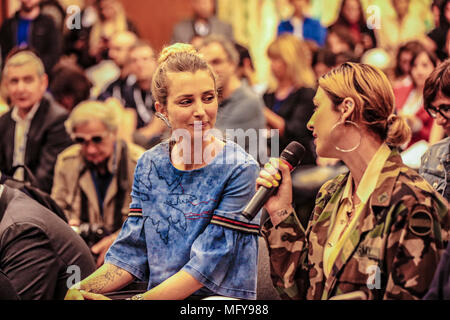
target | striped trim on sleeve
x=235, y=224
x=135, y=212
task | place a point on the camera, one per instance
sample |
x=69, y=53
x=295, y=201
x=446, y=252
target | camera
x=91, y=233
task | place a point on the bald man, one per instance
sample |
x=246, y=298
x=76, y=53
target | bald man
x=119, y=49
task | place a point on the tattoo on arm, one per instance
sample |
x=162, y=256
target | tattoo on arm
x=283, y=213
x=280, y=215
x=100, y=282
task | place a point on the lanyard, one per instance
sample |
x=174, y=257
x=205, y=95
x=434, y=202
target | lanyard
x=142, y=107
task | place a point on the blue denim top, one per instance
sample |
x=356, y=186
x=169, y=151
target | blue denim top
x=435, y=167
x=191, y=221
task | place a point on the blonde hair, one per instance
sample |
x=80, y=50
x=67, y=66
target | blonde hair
x=297, y=56
x=92, y=110
x=107, y=29
x=22, y=58
x=374, y=100
x=179, y=57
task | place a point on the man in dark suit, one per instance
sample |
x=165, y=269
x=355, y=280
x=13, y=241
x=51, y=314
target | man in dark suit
x=41, y=256
x=202, y=24
x=32, y=133
x=29, y=27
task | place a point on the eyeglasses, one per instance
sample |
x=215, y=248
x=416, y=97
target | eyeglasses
x=444, y=111
x=97, y=139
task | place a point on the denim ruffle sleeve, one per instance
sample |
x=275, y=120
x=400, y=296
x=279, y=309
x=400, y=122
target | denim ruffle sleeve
x=224, y=257
x=129, y=251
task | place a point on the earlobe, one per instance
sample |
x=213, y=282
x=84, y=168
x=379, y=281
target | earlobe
x=159, y=108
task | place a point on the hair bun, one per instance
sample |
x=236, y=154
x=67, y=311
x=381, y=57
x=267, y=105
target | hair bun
x=391, y=119
x=398, y=131
x=174, y=49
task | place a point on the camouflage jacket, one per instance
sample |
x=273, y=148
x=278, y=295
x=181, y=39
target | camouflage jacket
x=391, y=253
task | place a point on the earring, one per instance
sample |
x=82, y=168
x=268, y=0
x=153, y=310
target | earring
x=164, y=119
x=347, y=122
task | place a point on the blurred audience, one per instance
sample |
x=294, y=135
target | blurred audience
x=69, y=85
x=351, y=18
x=29, y=27
x=289, y=104
x=436, y=6
x=239, y=106
x=438, y=35
x=40, y=253
x=150, y=129
x=399, y=25
x=339, y=40
x=112, y=19
x=401, y=76
x=202, y=24
x=302, y=26
x=142, y=64
x=55, y=10
x=435, y=166
x=119, y=49
x=323, y=61
x=32, y=133
x=76, y=39
x=409, y=100
x=93, y=178
x=246, y=70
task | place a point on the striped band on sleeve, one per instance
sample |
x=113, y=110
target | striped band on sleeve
x=135, y=212
x=235, y=224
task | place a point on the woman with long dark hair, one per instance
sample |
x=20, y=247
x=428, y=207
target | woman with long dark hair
x=351, y=18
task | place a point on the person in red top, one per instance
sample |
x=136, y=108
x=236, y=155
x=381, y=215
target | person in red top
x=409, y=99
x=351, y=18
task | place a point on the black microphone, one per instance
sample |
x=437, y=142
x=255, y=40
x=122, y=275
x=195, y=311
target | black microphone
x=292, y=155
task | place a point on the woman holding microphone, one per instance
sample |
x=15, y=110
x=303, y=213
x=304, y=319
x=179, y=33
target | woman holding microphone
x=376, y=232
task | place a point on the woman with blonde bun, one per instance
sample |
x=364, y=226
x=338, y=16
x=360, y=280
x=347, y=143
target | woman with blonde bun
x=376, y=232
x=185, y=234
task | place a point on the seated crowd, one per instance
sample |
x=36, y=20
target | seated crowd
x=86, y=117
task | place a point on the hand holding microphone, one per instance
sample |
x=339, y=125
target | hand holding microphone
x=275, y=184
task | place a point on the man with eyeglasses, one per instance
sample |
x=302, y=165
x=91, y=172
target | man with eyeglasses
x=93, y=178
x=435, y=166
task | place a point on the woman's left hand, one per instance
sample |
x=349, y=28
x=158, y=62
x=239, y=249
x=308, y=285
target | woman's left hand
x=93, y=296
